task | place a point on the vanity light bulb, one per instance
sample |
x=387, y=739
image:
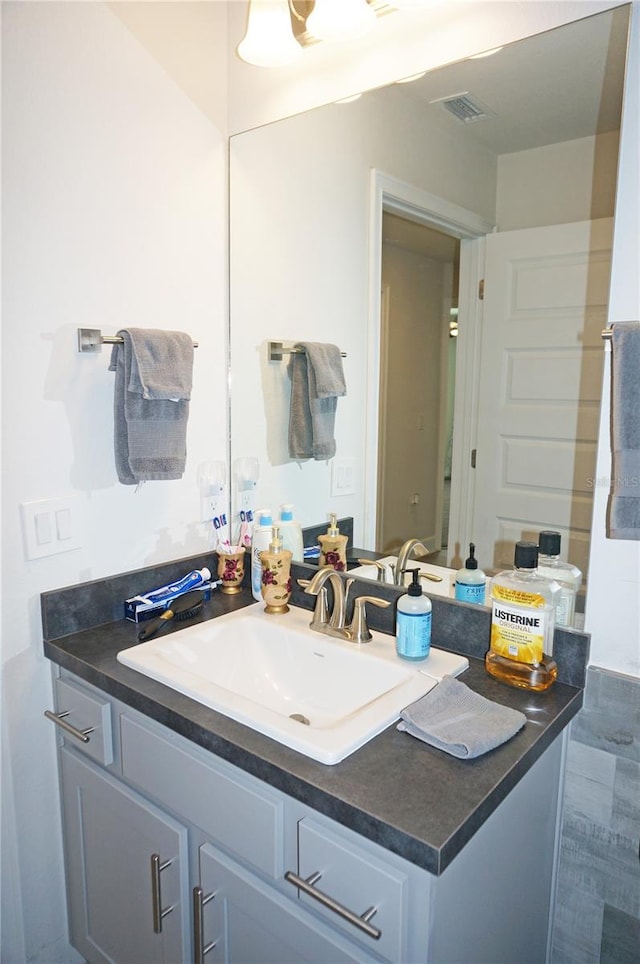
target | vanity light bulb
x=269, y=40
x=334, y=19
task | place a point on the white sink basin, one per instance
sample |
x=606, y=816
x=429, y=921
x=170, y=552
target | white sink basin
x=318, y=695
x=446, y=586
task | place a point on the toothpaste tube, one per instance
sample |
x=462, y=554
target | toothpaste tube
x=194, y=579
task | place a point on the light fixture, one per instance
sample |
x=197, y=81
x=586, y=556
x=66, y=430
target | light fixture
x=334, y=19
x=269, y=40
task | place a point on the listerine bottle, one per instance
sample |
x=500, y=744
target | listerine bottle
x=523, y=605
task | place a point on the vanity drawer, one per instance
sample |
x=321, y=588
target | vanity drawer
x=243, y=816
x=357, y=880
x=84, y=719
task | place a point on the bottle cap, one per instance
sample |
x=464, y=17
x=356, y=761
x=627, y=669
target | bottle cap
x=414, y=588
x=549, y=543
x=526, y=555
x=286, y=512
x=276, y=542
x=472, y=562
x=333, y=525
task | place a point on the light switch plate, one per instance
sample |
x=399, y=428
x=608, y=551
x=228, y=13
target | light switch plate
x=51, y=526
x=343, y=477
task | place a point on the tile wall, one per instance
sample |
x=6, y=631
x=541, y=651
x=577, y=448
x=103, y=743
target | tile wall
x=598, y=904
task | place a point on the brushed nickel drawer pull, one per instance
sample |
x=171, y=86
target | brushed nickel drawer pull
x=199, y=946
x=156, y=893
x=59, y=720
x=361, y=922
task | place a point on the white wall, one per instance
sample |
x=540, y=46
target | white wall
x=114, y=213
x=571, y=181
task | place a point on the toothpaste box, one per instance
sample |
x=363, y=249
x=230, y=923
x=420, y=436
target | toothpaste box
x=137, y=610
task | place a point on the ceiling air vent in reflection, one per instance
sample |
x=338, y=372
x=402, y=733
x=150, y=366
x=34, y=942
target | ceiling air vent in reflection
x=464, y=107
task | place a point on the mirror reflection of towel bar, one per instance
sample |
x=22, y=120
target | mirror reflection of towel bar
x=277, y=351
x=92, y=339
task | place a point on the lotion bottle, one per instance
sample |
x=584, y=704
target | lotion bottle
x=413, y=621
x=569, y=577
x=291, y=533
x=471, y=582
x=523, y=611
x=333, y=546
x=260, y=538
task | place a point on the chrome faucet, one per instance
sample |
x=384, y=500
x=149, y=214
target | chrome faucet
x=403, y=557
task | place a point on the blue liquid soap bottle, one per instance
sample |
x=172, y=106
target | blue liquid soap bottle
x=413, y=621
x=471, y=582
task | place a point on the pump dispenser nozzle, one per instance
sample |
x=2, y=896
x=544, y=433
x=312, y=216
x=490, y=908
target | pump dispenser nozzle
x=472, y=562
x=275, y=545
x=333, y=529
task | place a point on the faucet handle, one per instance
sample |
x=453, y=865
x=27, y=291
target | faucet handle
x=381, y=568
x=359, y=631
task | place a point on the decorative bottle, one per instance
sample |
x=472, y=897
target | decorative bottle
x=333, y=546
x=569, y=577
x=471, y=582
x=276, y=575
x=523, y=613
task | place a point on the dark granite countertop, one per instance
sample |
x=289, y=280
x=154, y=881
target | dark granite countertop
x=408, y=797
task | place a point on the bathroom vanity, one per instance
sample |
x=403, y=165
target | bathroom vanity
x=191, y=837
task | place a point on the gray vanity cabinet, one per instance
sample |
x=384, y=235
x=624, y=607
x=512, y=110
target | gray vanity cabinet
x=126, y=865
x=174, y=855
x=248, y=921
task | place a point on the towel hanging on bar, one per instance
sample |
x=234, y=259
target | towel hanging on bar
x=317, y=381
x=154, y=372
x=624, y=499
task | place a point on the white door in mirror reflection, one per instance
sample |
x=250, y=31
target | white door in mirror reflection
x=545, y=304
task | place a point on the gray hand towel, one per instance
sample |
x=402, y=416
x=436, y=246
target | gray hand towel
x=453, y=718
x=317, y=381
x=624, y=500
x=151, y=404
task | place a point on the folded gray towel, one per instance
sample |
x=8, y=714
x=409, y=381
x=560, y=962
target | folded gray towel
x=624, y=500
x=317, y=381
x=151, y=404
x=453, y=718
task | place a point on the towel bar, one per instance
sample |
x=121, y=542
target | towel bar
x=92, y=339
x=277, y=351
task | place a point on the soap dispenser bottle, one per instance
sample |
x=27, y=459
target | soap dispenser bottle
x=276, y=575
x=333, y=546
x=413, y=621
x=471, y=582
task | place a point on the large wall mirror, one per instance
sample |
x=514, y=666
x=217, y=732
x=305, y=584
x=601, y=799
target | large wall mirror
x=369, y=225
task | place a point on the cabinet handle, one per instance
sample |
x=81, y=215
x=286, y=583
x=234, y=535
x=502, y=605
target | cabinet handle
x=59, y=720
x=199, y=947
x=362, y=921
x=156, y=893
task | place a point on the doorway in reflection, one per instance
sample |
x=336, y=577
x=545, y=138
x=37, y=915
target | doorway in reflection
x=420, y=274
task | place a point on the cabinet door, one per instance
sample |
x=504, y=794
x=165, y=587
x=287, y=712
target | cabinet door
x=117, y=912
x=250, y=922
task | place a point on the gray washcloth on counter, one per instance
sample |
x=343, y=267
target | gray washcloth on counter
x=624, y=500
x=317, y=381
x=453, y=718
x=154, y=371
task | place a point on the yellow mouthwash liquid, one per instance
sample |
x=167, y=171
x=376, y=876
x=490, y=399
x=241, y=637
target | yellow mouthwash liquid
x=523, y=606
